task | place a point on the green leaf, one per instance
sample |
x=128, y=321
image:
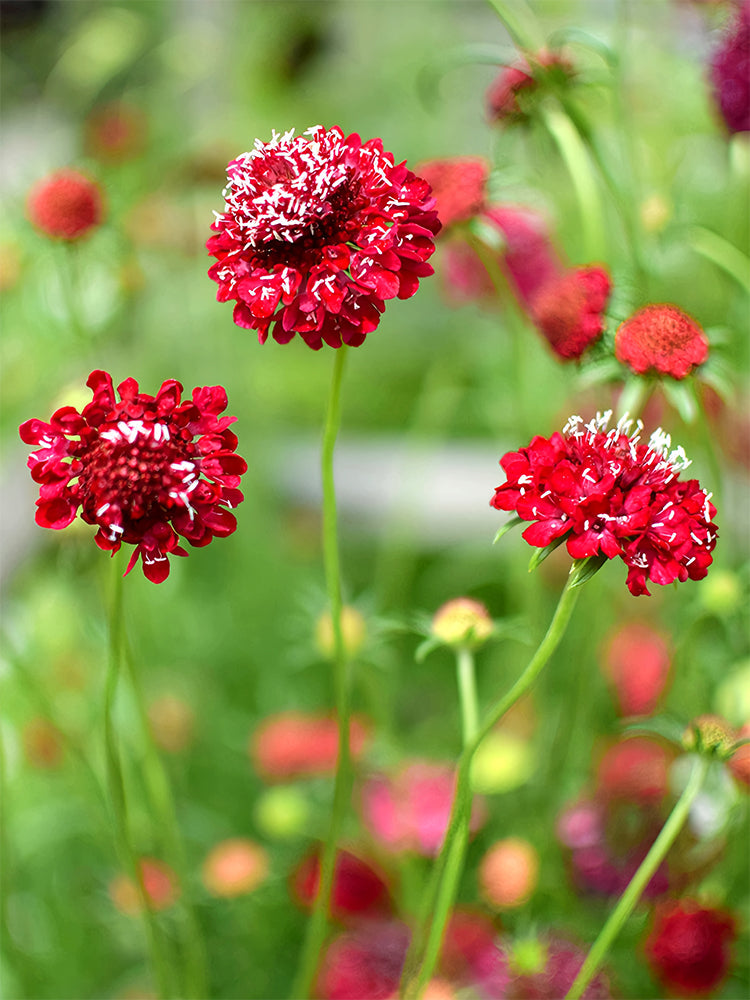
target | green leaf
x=424, y=649
x=587, y=568
x=657, y=725
x=508, y=526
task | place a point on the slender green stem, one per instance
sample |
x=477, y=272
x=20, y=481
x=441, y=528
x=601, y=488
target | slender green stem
x=576, y=158
x=116, y=787
x=160, y=792
x=316, y=928
x=518, y=23
x=70, y=286
x=467, y=693
x=636, y=392
x=640, y=880
x=423, y=953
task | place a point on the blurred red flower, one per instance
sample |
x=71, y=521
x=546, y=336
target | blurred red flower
x=607, y=495
x=688, y=946
x=358, y=889
x=145, y=470
x=291, y=745
x=66, y=205
x=730, y=71
x=317, y=232
x=636, y=661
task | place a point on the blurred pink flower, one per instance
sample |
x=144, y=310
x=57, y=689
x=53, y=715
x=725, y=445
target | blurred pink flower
x=292, y=745
x=410, y=812
x=636, y=661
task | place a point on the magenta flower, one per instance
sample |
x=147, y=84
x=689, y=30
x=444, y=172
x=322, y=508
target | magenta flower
x=606, y=495
x=317, y=232
x=689, y=947
x=730, y=71
x=145, y=470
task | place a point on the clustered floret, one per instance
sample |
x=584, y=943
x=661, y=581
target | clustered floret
x=318, y=231
x=606, y=494
x=145, y=470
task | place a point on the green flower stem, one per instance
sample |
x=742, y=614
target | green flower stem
x=576, y=158
x=467, y=693
x=518, y=23
x=640, y=880
x=116, y=786
x=636, y=392
x=70, y=286
x=160, y=792
x=316, y=928
x=420, y=962
x=709, y=441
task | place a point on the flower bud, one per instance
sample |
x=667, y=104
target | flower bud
x=234, y=867
x=709, y=734
x=508, y=873
x=353, y=633
x=462, y=622
x=282, y=812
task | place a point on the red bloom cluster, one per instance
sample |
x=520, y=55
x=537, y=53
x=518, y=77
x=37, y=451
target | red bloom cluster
x=146, y=469
x=730, y=72
x=608, y=495
x=661, y=339
x=689, y=947
x=566, y=304
x=358, y=889
x=66, y=205
x=318, y=231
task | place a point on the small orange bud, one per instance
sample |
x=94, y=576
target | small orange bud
x=234, y=867
x=172, y=722
x=508, y=873
x=709, y=734
x=159, y=882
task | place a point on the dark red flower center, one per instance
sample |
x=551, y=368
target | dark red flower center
x=133, y=471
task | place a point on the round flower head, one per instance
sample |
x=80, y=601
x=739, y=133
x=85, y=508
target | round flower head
x=318, y=231
x=661, y=339
x=459, y=185
x=730, y=72
x=145, y=470
x=568, y=309
x=66, y=205
x=688, y=947
x=607, y=495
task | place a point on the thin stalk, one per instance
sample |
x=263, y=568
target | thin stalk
x=576, y=158
x=518, y=23
x=160, y=792
x=636, y=392
x=420, y=962
x=116, y=788
x=70, y=286
x=640, y=880
x=318, y=923
x=467, y=693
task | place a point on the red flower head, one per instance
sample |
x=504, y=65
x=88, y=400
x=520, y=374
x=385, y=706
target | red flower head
x=358, y=889
x=146, y=469
x=66, y=205
x=607, y=495
x=568, y=309
x=661, y=339
x=459, y=185
x=317, y=232
x=730, y=72
x=688, y=947
x=293, y=745
x=507, y=96
x=366, y=963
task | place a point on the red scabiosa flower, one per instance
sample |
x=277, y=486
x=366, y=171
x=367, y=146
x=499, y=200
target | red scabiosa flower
x=688, y=947
x=568, y=309
x=459, y=185
x=66, y=205
x=607, y=495
x=317, y=232
x=145, y=470
x=511, y=94
x=730, y=72
x=663, y=340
